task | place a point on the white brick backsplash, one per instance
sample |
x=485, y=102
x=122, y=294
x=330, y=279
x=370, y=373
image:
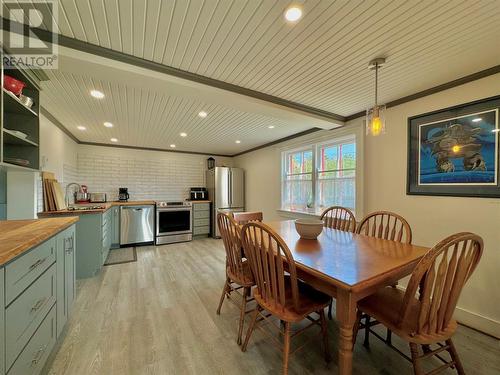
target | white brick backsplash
x=168, y=178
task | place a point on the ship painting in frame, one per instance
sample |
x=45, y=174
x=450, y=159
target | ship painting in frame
x=455, y=151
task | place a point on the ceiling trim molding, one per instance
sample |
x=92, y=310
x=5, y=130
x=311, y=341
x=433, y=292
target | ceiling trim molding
x=58, y=123
x=433, y=90
x=153, y=149
x=296, y=135
x=82, y=46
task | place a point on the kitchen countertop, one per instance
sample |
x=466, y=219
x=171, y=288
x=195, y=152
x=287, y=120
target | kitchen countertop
x=18, y=236
x=106, y=205
x=205, y=201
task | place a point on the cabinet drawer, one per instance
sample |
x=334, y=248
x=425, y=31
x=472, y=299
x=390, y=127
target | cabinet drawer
x=25, y=314
x=23, y=271
x=201, y=206
x=201, y=222
x=35, y=354
x=201, y=230
x=201, y=214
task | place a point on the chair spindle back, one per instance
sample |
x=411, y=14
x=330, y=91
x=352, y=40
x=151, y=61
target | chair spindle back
x=386, y=225
x=267, y=254
x=230, y=233
x=439, y=277
x=247, y=217
x=340, y=218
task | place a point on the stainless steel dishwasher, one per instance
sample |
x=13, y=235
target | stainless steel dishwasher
x=137, y=225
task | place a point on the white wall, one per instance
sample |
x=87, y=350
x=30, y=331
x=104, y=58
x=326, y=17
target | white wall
x=56, y=148
x=147, y=174
x=431, y=218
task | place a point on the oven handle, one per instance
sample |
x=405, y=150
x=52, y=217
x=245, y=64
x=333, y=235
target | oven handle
x=174, y=209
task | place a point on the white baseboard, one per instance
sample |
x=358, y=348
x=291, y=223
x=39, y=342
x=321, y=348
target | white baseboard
x=479, y=322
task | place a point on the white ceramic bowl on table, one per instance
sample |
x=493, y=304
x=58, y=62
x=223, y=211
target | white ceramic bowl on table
x=309, y=229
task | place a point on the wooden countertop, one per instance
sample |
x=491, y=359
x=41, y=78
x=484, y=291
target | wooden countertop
x=18, y=236
x=106, y=205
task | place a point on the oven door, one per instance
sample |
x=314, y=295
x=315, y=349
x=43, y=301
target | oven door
x=171, y=220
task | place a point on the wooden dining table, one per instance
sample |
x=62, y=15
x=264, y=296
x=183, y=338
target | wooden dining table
x=348, y=267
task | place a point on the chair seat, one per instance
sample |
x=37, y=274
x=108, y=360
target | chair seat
x=245, y=279
x=310, y=300
x=385, y=306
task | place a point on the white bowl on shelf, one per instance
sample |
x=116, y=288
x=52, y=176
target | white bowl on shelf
x=309, y=229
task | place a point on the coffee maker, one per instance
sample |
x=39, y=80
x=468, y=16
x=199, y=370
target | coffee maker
x=123, y=194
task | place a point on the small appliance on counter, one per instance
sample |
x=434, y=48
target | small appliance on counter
x=82, y=195
x=198, y=194
x=123, y=194
x=98, y=197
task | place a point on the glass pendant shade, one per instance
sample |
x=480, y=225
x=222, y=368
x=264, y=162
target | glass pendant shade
x=375, y=120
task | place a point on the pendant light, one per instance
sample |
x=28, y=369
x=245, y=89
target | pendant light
x=375, y=116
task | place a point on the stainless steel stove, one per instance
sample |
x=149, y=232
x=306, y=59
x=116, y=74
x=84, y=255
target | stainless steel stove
x=173, y=222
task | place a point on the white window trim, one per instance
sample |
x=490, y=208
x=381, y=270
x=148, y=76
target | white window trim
x=339, y=135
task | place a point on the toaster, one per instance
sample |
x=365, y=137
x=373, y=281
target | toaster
x=97, y=197
x=198, y=194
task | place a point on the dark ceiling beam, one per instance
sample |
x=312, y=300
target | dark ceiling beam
x=79, y=45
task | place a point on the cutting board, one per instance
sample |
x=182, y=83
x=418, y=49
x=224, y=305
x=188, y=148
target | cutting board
x=59, y=195
x=53, y=196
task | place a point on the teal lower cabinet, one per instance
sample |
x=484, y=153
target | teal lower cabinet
x=65, y=276
x=33, y=316
x=33, y=357
x=89, y=242
x=201, y=219
x=115, y=227
x=2, y=320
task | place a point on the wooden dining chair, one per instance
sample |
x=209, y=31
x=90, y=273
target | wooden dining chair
x=278, y=291
x=340, y=218
x=238, y=272
x=247, y=217
x=386, y=225
x=423, y=314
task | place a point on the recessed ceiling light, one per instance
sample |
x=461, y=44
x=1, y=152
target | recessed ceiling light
x=114, y=140
x=183, y=134
x=202, y=114
x=293, y=13
x=238, y=141
x=108, y=124
x=96, y=94
x=82, y=128
x=271, y=126
x=172, y=145
x=477, y=119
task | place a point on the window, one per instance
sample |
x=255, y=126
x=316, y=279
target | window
x=319, y=176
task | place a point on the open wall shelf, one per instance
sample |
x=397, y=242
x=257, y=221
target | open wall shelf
x=19, y=124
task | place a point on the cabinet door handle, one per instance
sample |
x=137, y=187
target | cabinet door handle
x=38, y=356
x=38, y=305
x=36, y=264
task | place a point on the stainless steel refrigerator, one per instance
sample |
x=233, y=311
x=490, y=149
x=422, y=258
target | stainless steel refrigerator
x=226, y=190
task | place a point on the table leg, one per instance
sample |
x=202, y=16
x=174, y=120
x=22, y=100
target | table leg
x=346, y=316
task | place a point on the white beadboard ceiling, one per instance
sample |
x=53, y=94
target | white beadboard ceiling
x=150, y=109
x=321, y=61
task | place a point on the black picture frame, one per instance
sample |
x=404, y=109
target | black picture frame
x=456, y=189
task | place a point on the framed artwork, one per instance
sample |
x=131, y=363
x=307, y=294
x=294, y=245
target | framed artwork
x=455, y=151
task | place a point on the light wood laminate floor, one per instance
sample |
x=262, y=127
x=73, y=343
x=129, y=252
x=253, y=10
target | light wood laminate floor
x=157, y=316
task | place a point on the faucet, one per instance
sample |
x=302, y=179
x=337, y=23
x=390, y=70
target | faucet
x=67, y=195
